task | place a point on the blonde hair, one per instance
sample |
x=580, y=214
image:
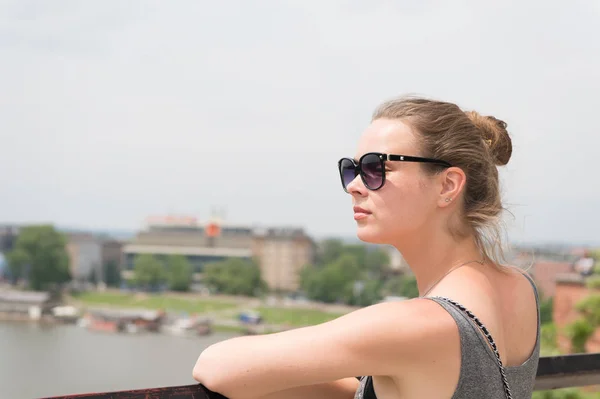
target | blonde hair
x=472, y=142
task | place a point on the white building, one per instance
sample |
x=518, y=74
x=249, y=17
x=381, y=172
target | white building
x=397, y=262
x=85, y=255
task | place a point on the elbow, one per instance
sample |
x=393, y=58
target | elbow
x=199, y=374
x=211, y=373
x=206, y=370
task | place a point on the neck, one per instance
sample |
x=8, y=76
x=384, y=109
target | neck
x=434, y=254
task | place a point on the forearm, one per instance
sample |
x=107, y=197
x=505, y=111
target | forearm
x=257, y=366
x=340, y=389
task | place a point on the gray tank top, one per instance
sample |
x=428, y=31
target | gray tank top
x=479, y=371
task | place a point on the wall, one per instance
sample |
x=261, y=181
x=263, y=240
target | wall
x=85, y=253
x=112, y=251
x=281, y=260
x=545, y=274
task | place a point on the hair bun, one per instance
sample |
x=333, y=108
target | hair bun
x=494, y=133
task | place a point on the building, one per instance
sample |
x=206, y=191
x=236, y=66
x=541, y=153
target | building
x=25, y=304
x=8, y=237
x=397, y=262
x=280, y=253
x=201, y=244
x=85, y=256
x=111, y=252
x=545, y=274
x=570, y=289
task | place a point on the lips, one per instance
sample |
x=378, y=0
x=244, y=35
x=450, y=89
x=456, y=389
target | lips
x=358, y=209
x=360, y=213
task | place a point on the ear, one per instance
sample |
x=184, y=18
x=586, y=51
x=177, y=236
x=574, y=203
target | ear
x=452, y=182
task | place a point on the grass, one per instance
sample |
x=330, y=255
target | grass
x=228, y=329
x=155, y=302
x=295, y=317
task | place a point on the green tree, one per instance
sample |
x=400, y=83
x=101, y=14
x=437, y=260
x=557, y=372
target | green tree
x=180, y=273
x=593, y=282
x=583, y=328
x=112, y=274
x=17, y=261
x=357, y=251
x=403, y=285
x=369, y=294
x=579, y=332
x=549, y=340
x=377, y=262
x=329, y=251
x=355, y=274
x=40, y=256
x=334, y=282
x=546, y=308
x=589, y=307
x=392, y=286
x=409, y=287
x=568, y=393
x=352, y=274
x=235, y=277
x=149, y=272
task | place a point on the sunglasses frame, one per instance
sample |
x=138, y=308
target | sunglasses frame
x=382, y=158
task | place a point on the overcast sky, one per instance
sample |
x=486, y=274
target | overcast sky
x=111, y=111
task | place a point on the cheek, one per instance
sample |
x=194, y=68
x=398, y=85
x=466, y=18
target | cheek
x=401, y=207
x=404, y=206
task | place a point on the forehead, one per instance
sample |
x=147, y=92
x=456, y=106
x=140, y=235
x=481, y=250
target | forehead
x=390, y=136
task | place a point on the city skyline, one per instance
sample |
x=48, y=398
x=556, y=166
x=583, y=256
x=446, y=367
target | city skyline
x=126, y=234
x=114, y=111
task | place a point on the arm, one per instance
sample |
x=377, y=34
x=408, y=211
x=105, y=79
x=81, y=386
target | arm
x=379, y=340
x=340, y=389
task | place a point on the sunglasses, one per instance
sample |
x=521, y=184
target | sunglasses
x=371, y=167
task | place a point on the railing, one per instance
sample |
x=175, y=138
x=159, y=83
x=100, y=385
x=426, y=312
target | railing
x=553, y=373
x=568, y=371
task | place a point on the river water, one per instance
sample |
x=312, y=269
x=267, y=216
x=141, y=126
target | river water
x=38, y=361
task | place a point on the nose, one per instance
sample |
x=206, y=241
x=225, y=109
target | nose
x=357, y=187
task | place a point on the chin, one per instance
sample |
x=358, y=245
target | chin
x=370, y=234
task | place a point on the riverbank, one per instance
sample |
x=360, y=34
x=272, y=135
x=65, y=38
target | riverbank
x=21, y=317
x=164, y=301
x=276, y=314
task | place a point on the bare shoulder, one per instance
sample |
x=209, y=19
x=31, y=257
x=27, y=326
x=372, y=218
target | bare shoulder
x=519, y=309
x=403, y=332
x=503, y=299
x=517, y=294
x=522, y=282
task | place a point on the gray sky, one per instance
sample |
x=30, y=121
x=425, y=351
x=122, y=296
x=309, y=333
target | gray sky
x=111, y=111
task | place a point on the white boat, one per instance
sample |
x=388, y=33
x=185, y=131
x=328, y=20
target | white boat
x=187, y=327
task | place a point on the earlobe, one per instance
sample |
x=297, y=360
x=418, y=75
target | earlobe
x=453, y=182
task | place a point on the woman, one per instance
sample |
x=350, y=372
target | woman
x=424, y=180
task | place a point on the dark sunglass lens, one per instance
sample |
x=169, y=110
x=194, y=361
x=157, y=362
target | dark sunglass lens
x=372, y=169
x=347, y=171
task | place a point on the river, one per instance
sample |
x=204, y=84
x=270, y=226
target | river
x=41, y=360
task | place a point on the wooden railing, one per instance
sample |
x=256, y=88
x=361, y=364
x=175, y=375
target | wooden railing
x=553, y=373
